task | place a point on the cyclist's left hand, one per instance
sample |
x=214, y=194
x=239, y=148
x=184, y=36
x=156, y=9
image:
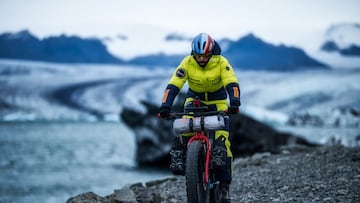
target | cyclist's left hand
x=233, y=110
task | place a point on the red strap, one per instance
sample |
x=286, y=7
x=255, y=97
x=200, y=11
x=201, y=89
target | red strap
x=196, y=103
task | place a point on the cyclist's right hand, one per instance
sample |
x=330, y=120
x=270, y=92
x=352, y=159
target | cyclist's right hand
x=164, y=112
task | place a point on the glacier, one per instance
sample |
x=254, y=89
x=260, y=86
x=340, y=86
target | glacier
x=52, y=91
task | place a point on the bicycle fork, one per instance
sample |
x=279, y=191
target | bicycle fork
x=201, y=137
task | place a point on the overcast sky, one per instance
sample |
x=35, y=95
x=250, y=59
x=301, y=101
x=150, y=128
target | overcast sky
x=289, y=21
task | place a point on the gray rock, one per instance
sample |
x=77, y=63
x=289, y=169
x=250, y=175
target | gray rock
x=88, y=197
x=125, y=195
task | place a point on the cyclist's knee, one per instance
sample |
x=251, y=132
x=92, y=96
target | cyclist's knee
x=222, y=139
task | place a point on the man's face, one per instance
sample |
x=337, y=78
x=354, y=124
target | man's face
x=202, y=59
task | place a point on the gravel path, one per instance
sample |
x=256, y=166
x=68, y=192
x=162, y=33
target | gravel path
x=321, y=175
x=298, y=174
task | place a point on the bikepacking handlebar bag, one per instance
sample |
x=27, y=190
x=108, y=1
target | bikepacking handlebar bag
x=186, y=125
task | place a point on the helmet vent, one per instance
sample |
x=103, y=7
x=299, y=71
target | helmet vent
x=202, y=44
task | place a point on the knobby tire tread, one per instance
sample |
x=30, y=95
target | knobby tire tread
x=193, y=160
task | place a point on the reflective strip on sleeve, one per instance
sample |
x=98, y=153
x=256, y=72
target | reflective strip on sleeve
x=236, y=92
x=166, y=96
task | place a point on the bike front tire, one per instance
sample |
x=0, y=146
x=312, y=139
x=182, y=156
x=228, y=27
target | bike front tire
x=197, y=190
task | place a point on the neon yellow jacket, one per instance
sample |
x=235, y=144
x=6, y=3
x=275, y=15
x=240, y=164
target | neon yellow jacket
x=210, y=83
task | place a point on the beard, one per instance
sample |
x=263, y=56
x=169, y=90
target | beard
x=202, y=63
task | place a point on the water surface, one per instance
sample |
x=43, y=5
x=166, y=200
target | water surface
x=50, y=162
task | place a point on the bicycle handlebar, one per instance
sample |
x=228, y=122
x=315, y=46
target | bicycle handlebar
x=175, y=115
x=196, y=108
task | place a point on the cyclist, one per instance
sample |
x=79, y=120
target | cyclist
x=210, y=78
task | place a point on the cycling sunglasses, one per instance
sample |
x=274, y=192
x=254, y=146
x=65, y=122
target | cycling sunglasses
x=207, y=55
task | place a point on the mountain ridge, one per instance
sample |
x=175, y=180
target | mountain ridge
x=62, y=48
x=254, y=53
x=248, y=52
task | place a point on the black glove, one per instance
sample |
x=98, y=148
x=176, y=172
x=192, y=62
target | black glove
x=164, y=112
x=233, y=110
x=234, y=107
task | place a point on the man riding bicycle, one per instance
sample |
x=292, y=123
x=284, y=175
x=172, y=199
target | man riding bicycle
x=211, y=79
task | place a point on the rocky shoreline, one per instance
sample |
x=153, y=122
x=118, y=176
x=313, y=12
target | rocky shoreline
x=297, y=174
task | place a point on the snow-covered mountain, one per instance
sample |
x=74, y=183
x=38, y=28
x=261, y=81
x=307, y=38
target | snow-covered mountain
x=344, y=35
x=140, y=41
x=63, y=48
x=339, y=46
x=344, y=39
x=249, y=52
x=340, y=41
x=138, y=45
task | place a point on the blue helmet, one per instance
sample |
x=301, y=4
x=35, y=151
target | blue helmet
x=202, y=44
